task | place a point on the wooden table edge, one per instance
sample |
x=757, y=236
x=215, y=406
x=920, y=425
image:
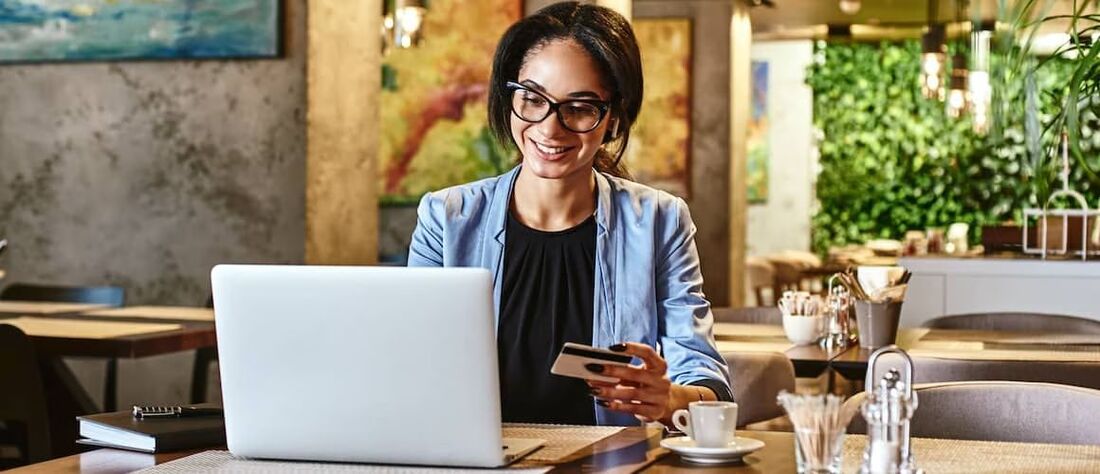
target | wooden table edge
x=110, y=460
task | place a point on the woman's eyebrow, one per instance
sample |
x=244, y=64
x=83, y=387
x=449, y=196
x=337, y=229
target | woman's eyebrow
x=576, y=95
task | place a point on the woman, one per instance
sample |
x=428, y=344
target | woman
x=579, y=252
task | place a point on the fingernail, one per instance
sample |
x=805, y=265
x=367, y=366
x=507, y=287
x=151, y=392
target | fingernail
x=618, y=347
x=596, y=368
x=603, y=403
x=594, y=391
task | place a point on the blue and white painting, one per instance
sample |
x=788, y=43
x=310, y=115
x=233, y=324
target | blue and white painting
x=80, y=30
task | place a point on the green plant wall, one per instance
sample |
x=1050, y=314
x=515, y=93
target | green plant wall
x=892, y=161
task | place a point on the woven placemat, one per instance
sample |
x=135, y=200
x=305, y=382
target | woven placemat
x=950, y=455
x=222, y=462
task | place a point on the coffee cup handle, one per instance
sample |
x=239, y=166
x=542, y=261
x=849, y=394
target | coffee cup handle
x=681, y=419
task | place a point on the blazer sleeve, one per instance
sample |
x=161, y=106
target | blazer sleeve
x=685, y=323
x=426, y=248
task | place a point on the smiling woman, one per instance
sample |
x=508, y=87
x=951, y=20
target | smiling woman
x=579, y=253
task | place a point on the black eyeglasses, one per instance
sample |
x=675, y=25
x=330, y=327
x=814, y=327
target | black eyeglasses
x=577, y=115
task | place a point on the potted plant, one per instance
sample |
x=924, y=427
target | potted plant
x=1077, y=100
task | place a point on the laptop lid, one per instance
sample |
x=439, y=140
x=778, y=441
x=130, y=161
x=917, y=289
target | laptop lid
x=359, y=364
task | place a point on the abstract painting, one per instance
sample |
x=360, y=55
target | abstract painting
x=660, y=143
x=434, y=100
x=80, y=30
x=757, y=165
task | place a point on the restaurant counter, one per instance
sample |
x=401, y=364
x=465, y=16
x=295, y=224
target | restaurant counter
x=944, y=285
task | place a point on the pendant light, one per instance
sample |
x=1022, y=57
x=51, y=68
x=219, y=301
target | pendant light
x=958, y=96
x=401, y=23
x=933, y=57
x=981, y=91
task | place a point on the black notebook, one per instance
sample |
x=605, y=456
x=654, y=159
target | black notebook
x=121, y=430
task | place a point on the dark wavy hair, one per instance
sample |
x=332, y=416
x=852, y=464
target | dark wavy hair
x=608, y=39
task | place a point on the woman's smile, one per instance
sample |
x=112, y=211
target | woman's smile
x=550, y=152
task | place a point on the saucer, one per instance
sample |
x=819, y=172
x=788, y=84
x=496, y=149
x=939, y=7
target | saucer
x=686, y=448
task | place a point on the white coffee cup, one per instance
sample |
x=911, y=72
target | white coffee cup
x=709, y=424
x=803, y=330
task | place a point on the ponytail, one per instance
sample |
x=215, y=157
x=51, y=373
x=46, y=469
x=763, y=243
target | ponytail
x=605, y=162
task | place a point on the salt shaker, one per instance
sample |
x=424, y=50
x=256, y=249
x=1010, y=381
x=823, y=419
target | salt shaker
x=888, y=408
x=837, y=307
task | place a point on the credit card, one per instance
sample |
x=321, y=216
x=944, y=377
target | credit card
x=573, y=357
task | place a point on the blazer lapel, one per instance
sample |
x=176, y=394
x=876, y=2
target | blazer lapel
x=492, y=253
x=605, y=328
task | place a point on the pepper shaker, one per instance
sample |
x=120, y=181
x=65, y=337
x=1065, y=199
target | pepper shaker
x=888, y=408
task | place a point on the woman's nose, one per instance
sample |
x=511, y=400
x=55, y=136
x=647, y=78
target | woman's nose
x=550, y=126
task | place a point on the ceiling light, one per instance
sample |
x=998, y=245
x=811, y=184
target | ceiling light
x=958, y=97
x=850, y=7
x=401, y=27
x=933, y=59
x=980, y=89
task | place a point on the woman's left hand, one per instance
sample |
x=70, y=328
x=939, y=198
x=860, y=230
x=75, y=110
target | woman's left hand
x=642, y=390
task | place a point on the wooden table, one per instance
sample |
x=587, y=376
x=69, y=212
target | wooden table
x=824, y=271
x=42, y=308
x=52, y=341
x=631, y=450
x=636, y=449
x=809, y=361
x=851, y=362
x=187, y=336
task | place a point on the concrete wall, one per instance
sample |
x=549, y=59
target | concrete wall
x=145, y=174
x=783, y=222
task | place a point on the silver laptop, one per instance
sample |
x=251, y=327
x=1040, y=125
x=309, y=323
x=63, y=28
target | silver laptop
x=361, y=364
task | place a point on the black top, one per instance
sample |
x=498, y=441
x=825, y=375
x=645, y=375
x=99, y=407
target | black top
x=546, y=301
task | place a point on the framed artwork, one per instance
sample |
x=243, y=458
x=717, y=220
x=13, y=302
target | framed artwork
x=86, y=30
x=659, y=153
x=758, y=149
x=435, y=130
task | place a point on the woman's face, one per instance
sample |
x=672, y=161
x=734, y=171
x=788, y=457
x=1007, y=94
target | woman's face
x=561, y=70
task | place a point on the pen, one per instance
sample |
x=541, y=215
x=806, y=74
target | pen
x=173, y=412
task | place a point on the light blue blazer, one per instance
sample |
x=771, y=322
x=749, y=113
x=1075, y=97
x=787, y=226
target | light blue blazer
x=649, y=287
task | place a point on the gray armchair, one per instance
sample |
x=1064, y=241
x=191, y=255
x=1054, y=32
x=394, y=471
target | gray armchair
x=757, y=378
x=1002, y=411
x=750, y=315
x=1016, y=322
x=1079, y=374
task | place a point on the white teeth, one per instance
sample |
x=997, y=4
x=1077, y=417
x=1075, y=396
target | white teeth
x=550, y=150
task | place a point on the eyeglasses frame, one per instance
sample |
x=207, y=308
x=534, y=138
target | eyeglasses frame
x=602, y=106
